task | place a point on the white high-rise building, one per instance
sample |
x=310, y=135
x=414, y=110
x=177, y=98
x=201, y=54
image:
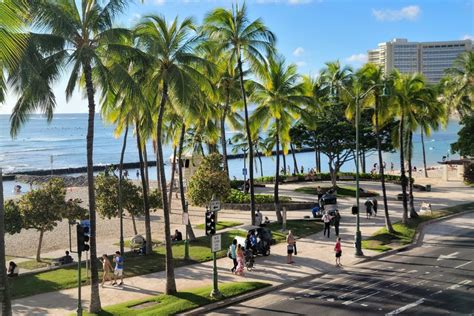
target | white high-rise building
x=429, y=58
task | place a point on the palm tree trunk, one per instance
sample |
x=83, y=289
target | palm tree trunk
x=249, y=141
x=284, y=158
x=173, y=171
x=388, y=222
x=120, y=198
x=95, y=305
x=413, y=213
x=223, y=137
x=5, y=299
x=145, y=162
x=145, y=190
x=295, y=164
x=277, y=177
x=160, y=169
x=424, y=153
x=40, y=242
x=134, y=224
x=259, y=156
x=403, y=177
x=363, y=161
x=189, y=227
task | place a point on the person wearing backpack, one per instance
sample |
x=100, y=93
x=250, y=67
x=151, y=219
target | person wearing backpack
x=233, y=255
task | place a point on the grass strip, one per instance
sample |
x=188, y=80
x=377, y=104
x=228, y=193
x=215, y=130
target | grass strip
x=341, y=191
x=383, y=241
x=180, y=302
x=221, y=225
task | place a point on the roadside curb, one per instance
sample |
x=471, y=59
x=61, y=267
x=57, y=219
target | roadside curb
x=417, y=239
x=247, y=296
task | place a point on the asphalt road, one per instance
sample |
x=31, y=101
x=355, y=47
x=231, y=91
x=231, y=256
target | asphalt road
x=434, y=279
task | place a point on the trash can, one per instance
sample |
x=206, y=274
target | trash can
x=428, y=188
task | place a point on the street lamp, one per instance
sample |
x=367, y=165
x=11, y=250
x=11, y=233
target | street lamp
x=359, y=96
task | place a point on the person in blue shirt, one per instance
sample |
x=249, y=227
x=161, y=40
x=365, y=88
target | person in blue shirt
x=118, y=270
x=233, y=254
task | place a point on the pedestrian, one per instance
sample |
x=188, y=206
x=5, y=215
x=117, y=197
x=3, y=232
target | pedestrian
x=374, y=206
x=258, y=218
x=290, y=240
x=107, y=268
x=302, y=170
x=319, y=192
x=338, y=250
x=233, y=254
x=368, y=208
x=391, y=167
x=125, y=174
x=240, y=261
x=375, y=166
x=118, y=271
x=327, y=223
x=337, y=221
x=138, y=174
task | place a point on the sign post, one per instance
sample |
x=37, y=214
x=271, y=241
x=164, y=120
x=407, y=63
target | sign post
x=216, y=245
x=186, y=222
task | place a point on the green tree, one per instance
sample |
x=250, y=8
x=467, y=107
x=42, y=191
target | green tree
x=465, y=143
x=13, y=218
x=76, y=38
x=169, y=49
x=244, y=40
x=209, y=180
x=279, y=95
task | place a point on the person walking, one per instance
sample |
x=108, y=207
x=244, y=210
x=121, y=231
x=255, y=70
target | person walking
x=327, y=223
x=319, y=192
x=368, y=208
x=338, y=250
x=240, y=261
x=107, y=268
x=374, y=206
x=337, y=221
x=290, y=240
x=138, y=174
x=233, y=255
x=118, y=271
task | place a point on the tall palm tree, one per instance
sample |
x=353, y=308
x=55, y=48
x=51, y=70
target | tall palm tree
x=407, y=89
x=172, y=65
x=279, y=94
x=12, y=43
x=371, y=75
x=458, y=85
x=75, y=38
x=245, y=41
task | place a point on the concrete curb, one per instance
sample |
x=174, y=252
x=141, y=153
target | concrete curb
x=247, y=296
x=417, y=239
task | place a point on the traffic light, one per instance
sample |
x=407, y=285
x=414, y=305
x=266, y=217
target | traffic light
x=82, y=238
x=210, y=223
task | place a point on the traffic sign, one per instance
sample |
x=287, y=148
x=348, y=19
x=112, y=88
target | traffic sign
x=87, y=226
x=216, y=244
x=244, y=171
x=215, y=205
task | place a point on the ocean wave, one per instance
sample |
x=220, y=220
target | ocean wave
x=55, y=139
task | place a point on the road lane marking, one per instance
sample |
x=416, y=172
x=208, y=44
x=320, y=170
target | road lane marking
x=360, y=299
x=455, y=286
x=404, y=308
x=450, y=256
x=462, y=265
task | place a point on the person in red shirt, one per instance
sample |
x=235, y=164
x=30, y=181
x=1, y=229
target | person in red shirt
x=338, y=250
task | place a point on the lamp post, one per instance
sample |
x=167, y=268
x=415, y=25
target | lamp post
x=244, y=171
x=359, y=96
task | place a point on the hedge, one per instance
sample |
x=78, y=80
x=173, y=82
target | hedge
x=239, y=197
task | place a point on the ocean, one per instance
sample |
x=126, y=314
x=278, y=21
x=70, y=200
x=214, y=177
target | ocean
x=62, y=144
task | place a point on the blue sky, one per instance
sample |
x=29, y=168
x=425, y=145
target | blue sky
x=311, y=32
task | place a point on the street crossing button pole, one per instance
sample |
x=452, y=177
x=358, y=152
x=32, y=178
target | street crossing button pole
x=211, y=211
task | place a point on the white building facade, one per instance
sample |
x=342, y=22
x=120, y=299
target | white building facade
x=428, y=58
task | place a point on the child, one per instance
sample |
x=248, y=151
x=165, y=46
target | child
x=338, y=250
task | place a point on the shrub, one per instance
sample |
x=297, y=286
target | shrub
x=208, y=180
x=469, y=173
x=238, y=197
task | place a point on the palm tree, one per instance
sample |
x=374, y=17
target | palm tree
x=12, y=44
x=458, y=85
x=73, y=38
x=371, y=75
x=244, y=40
x=278, y=94
x=407, y=89
x=172, y=70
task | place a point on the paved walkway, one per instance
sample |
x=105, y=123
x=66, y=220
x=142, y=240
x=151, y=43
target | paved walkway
x=315, y=254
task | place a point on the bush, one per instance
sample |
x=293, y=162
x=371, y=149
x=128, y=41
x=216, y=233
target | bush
x=208, y=180
x=236, y=184
x=238, y=197
x=469, y=173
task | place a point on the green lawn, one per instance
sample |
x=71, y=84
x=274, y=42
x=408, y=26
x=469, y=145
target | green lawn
x=180, y=302
x=341, y=191
x=33, y=264
x=382, y=240
x=299, y=228
x=221, y=225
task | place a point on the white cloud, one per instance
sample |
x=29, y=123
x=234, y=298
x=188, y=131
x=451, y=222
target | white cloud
x=357, y=58
x=295, y=2
x=299, y=51
x=468, y=37
x=300, y=63
x=410, y=13
x=157, y=2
